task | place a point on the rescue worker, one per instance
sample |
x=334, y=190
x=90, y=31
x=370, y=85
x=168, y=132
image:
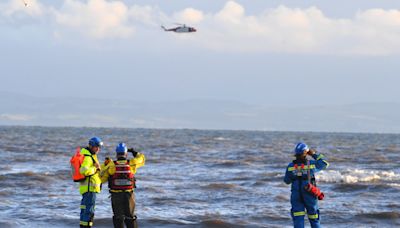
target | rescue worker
x=88, y=188
x=298, y=173
x=120, y=175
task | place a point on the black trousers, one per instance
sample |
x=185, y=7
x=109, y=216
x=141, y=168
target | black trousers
x=123, y=206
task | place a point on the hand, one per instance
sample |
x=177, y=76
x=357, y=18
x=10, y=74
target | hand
x=97, y=165
x=311, y=152
x=107, y=161
x=133, y=151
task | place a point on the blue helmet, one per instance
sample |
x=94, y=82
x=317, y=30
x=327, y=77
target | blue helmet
x=121, y=149
x=300, y=148
x=95, y=141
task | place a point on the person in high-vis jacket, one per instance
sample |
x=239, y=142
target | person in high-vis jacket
x=298, y=173
x=88, y=188
x=120, y=175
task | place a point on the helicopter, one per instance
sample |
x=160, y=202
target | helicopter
x=182, y=28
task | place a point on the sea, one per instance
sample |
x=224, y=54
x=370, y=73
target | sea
x=200, y=178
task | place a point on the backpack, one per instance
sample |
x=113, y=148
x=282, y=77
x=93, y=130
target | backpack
x=76, y=162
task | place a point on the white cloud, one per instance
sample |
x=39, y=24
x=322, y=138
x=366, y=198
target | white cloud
x=280, y=29
x=96, y=18
x=146, y=15
x=376, y=31
x=232, y=13
x=189, y=15
x=295, y=30
x=16, y=9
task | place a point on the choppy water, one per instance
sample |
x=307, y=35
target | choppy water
x=198, y=178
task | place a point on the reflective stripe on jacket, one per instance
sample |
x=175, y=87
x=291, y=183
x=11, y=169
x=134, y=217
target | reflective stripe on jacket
x=134, y=163
x=298, y=172
x=92, y=182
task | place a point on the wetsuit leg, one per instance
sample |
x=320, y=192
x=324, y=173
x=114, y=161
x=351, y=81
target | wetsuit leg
x=117, y=203
x=130, y=217
x=87, y=209
x=297, y=211
x=311, y=204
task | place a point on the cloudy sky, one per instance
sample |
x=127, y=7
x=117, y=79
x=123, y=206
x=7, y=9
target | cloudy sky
x=261, y=52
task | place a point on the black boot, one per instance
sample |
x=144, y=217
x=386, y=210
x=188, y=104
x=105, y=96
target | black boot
x=131, y=222
x=118, y=222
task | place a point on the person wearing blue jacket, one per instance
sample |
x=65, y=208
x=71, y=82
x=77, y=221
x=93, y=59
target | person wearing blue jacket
x=300, y=172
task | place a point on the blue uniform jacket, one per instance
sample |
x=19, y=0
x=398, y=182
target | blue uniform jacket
x=294, y=171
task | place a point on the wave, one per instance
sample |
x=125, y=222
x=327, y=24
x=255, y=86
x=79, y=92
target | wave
x=155, y=160
x=350, y=187
x=62, y=222
x=365, y=188
x=389, y=215
x=218, y=223
x=24, y=160
x=282, y=198
x=30, y=178
x=220, y=186
x=8, y=224
x=6, y=193
x=231, y=163
x=357, y=176
x=394, y=185
x=29, y=175
x=155, y=190
x=164, y=200
x=181, y=223
x=61, y=175
x=226, y=163
x=107, y=222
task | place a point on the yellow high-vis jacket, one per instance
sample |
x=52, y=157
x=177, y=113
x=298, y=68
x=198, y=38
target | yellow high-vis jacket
x=92, y=182
x=109, y=169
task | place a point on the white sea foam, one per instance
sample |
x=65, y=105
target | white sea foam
x=357, y=175
x=395, y=185
x=221, y=139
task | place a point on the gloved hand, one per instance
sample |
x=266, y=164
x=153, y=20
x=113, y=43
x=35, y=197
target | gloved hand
x=311, y=152
x=133, y=151
x=107, y=161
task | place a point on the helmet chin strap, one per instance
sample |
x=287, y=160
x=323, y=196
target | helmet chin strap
x=308, y=170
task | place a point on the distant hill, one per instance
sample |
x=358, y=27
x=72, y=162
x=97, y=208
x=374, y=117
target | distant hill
x=17, y=109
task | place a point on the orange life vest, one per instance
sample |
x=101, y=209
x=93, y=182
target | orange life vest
x=76, y=162
x=123, y=178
